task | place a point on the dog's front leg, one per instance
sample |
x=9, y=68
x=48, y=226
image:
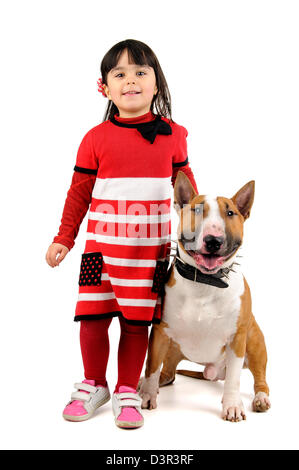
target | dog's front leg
x=232, y=406
x=149, y=385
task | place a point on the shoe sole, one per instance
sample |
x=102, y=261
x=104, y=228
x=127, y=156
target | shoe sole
x=129, y=424
x=88, y=415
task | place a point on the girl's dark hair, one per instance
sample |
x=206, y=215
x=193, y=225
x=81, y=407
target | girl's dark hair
x=140, y=54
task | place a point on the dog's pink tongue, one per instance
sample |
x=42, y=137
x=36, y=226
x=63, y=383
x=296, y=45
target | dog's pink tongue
x=209, y=262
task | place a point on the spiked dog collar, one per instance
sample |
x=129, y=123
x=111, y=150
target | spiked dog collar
x=192, y=273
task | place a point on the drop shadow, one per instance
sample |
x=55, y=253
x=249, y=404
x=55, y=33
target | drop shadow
x=187, y=394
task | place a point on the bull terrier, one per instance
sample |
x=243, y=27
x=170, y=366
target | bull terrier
x=206, y=310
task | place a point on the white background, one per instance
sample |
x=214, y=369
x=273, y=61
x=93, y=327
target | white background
x=232, y=69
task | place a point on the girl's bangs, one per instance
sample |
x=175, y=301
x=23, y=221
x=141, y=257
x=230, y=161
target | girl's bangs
x=135, y=56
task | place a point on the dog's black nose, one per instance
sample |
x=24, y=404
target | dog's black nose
x=213, y=243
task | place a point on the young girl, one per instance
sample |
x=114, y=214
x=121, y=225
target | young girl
x=125, y=167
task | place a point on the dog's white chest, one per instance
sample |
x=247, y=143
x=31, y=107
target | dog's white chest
x=202, y=318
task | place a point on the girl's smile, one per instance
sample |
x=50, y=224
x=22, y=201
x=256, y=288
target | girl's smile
x=132, y=93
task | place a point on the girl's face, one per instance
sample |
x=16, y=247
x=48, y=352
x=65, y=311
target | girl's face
x=131, y=87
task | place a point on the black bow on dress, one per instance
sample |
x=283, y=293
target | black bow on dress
x=150, y=129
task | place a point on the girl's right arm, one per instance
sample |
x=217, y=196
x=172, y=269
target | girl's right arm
x=77, y=202
x=75, y=208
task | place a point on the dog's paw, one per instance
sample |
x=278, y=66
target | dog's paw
x=148, y=392
x=261, y=402
x=233, y=410
x=149, y=401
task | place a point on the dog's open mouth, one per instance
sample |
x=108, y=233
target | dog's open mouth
x=207, y=261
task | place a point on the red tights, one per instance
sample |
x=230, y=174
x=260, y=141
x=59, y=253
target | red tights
x=132, y=349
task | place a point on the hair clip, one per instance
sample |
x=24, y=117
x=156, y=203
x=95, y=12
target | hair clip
x=101, y=88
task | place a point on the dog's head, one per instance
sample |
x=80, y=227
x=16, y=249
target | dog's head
x=210, y=230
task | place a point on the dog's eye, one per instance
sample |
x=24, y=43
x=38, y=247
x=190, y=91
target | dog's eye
x=197, y=210
x=230, y=213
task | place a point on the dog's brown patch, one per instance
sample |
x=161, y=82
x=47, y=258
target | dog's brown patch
x=189, y=220
x=171, y=281
x=158, y=346
x=257, y=357
x=233, y=223
x=238, y=345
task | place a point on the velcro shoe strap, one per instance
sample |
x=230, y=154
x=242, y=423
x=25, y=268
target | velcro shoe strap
x=132, y=395
x=128, y=402
x=86, y=387
x=80, y=396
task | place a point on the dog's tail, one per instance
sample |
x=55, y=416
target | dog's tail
x=191, y=373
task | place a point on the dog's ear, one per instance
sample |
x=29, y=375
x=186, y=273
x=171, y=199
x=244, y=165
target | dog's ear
x=183, y=191
x=243, y=199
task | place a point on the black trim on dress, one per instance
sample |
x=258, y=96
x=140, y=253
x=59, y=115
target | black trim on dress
x=116, y=314
x=89, y=171
x=180, y=163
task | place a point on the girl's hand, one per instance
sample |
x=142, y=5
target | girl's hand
x=53, y=251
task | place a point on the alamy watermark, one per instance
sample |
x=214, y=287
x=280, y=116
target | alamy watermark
x=139, y=220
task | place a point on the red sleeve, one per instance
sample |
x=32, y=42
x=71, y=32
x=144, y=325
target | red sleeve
x=75, y=208
x=180, y=159
x=80, y=193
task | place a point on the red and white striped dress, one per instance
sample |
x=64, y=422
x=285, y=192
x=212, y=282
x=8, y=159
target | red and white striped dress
x=129, y=220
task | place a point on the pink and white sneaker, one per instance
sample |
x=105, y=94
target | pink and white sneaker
x=85, y=400
x=126, y=406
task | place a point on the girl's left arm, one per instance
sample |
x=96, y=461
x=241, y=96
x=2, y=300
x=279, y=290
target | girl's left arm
x=185, y=167
x=180, y=160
